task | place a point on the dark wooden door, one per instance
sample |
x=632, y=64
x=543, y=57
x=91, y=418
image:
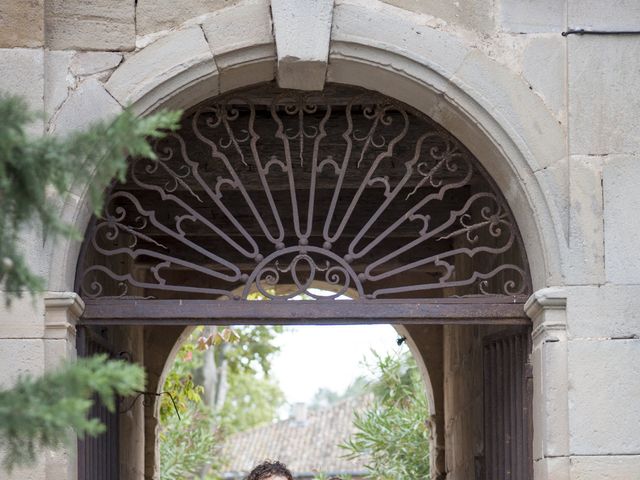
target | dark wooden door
x=507, y=407
x=98, y=456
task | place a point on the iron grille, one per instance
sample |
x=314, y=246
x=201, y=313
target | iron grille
x=276, y=194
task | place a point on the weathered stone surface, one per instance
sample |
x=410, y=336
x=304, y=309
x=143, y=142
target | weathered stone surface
x=552, y=469
x=90, y=24
x=604, y=387
x=472, y=14
x=621, y=177
x=302, y=32
x=155, y=15
x=543, y=67
x=89, y=103
x=604, y=77
x=23, y=75
x=532, y=16
x=586, y=230
x=597, y=15
x=21, y=23
x=20, y=357
x=163, y=69
x=554, y=180
x=399, y=32
x=23, y=319
x=612, y=467
x=59, y=81
x=499, y=90
x=233, y=29
x=604, y=311
x=241, y=39
x=89, y=63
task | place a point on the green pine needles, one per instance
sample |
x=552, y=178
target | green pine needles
x=38, y=413
x=35, y=173
x=35, y=176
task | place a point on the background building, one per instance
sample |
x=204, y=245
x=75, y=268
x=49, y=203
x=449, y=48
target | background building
x=307, y=442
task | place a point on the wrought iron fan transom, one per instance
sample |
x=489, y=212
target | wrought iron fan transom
x=277, y=194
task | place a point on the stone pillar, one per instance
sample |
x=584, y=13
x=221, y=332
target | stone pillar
x=547, y=309
x=62, y=311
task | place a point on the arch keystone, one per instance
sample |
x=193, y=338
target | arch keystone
x=302, y=31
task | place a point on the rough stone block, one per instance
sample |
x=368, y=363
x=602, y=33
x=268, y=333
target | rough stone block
x=89, y=63
x=243, y=27
x=532, y=16
x=551, y=436
x=598, y=15
x=604, y=75
x=621, y=177
x=89, y=103
x=543, y=67
x=20, y=357
x=90, y=24
x=611, y=311
x=604, y=388
x=552, y=469
x=163, y=68
x=23, y=75
x=500, y=91
x=473, y=14
x=59, y=81
x=390, y=28
x=625, y=467
x=156, y=15
x=586, y=230
x=554, y=180
x=21, y=23
x=24, y=318
x=302, y=32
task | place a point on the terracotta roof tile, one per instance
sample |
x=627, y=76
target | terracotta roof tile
x=306, y=447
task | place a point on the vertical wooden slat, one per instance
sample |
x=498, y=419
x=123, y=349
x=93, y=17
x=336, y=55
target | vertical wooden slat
x=507, y=412
x=98, y=456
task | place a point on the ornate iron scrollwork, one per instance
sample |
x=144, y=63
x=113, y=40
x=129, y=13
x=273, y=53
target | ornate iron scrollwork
x=282, y=194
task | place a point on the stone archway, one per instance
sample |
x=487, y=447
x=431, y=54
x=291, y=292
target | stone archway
x=460, y=88
x=264, y=188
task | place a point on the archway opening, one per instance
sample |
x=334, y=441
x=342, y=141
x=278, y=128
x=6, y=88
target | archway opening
x=269, y=193
x=303, y=410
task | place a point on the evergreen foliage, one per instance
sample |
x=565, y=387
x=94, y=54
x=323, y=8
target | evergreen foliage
x=32, y=170
x=35, y=173
x=38, y=413
x=392, y=432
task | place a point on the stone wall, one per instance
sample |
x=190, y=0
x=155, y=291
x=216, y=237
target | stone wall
x=554, y=120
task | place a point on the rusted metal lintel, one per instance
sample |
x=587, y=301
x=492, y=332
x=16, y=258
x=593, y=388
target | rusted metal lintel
x=508, y=311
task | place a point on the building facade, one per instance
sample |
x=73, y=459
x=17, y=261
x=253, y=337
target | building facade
x=550, y=115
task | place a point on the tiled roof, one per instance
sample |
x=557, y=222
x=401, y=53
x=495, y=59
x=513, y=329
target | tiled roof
x=307, y=447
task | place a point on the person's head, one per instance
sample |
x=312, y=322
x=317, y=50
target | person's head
x=270, y=471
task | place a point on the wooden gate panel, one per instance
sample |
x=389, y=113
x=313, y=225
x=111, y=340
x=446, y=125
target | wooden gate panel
x=507, y=408
x=98, y=457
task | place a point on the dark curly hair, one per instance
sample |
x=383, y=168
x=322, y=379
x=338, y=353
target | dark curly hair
x=267, y=469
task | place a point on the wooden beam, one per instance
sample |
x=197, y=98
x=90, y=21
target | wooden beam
x=493, y=311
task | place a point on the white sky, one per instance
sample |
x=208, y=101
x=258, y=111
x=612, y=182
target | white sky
x=312, y=357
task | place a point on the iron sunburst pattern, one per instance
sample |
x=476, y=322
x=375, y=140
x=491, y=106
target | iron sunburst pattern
x=285, y=193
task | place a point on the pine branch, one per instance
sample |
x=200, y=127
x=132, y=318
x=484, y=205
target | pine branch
x=38, y=413
x=30, y=168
